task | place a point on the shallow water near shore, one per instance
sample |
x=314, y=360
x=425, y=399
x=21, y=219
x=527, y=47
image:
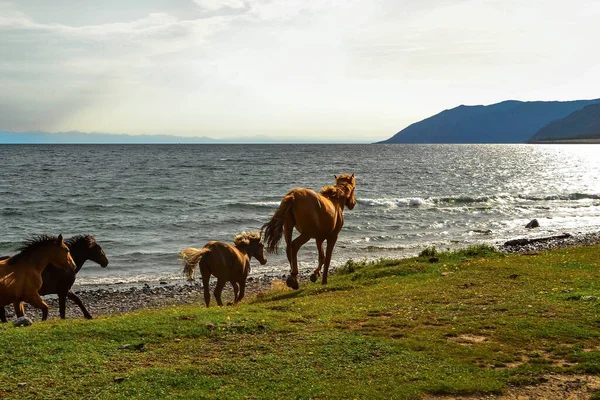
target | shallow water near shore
x=144, y=203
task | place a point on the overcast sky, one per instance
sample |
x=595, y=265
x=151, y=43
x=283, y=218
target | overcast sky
x=311, y=69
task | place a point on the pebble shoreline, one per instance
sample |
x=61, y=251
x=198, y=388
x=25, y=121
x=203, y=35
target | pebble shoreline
x=117, y=300
x=553, y=242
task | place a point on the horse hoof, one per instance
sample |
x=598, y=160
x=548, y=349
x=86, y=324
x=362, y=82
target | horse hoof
x=292, y=282
x=313, y=278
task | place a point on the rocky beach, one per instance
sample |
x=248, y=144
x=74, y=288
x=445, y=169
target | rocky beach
x=121, y=299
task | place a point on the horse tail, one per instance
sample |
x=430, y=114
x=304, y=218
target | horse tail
x=190, y=258
x=273, y=230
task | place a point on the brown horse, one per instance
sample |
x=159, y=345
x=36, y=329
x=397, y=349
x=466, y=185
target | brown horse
x=21, y=275
x=226, y=262
x=58, y=281
x=316, y=216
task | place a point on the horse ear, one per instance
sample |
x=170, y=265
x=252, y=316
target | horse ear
x=353, y=175
x=335, y=176
x=60, y=239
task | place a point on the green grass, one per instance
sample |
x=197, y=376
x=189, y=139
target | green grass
x=473, y=322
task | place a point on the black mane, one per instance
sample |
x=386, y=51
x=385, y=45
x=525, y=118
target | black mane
x=88, y=240
x=32, y=244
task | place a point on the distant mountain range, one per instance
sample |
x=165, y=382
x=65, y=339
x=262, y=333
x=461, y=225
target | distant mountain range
x=506, y=122
x=92, y=138
x=76, y=137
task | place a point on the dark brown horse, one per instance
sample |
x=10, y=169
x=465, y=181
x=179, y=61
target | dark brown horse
x=58, y=281
x=316, y=216
x=21, y=275
x=226, y=262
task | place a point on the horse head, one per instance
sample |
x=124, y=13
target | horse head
x=84, y=247
x=96, y=254
x=60, y=255
x=348, y=182
x=253, y=245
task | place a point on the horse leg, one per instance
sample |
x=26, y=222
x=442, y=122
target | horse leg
x=206, y=286
x=19, y=308
x=218, y=290
x=242, y=290
x=62, y=304
x=235, y=290
x=330, y=244
x=288, y=229
x=292, y=280
x=77, y=301
x=37, y=302
x=3, y=315
x=317, y=272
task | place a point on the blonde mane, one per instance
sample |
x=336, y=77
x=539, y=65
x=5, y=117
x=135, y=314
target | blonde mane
x=244, y=238
x=333, y=192
x=342, y=188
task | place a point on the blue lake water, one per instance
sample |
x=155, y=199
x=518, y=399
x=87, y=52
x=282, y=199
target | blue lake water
x=144, y=203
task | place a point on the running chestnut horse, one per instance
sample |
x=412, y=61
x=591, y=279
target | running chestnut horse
x=316, y=216
x=21, y=275
x=226, y=262
x=58, y=281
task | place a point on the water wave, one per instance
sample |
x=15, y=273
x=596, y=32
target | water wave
x=569, y=196
x=376, y=238
x=147, y=253
x=389, y=247
x=11, y=211
x=128, y=280
x=387, y=202
x=9, y=248
x=254, y=205
x=267, y=204
x=466, y=200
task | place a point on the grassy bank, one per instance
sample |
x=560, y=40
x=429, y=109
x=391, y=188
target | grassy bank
x=474, y=322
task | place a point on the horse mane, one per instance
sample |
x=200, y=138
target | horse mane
x=333, y=192
x=244, y=238
x=32, y=244
x=342, y=188
x=87, y=239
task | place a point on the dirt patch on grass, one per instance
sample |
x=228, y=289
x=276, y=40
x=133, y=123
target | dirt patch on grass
x=541, y=357
x=467, y=339
x=555, y=386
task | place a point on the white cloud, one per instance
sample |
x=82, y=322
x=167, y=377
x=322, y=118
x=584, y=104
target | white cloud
x=309, y=67
x=213, y=5
x=48, y=62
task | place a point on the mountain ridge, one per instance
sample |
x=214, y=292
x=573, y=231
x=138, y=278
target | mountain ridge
x=579, y=125
x=509, y=121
